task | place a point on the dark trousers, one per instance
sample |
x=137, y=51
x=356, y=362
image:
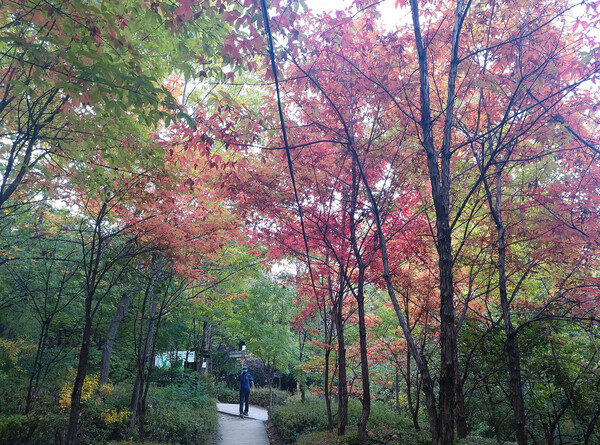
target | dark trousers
x=244, y=400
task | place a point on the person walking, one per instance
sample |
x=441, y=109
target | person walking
x=245, y=382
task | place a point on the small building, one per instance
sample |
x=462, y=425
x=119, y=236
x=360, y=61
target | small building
x=175, y=359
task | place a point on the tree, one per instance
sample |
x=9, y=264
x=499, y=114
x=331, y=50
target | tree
x=444, y=128
x=263, y=324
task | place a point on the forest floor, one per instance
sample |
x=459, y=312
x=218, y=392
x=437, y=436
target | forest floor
x=274, y=438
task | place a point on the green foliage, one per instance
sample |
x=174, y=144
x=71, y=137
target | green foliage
x=34, y=428
x=226, y=395
x=106, y=415
x=182, y=412
x=326, y=438
x=297, y=419
x=262, y=322
x=475, y=440
x=261, y=397
x=177, y=415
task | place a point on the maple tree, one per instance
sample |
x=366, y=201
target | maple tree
x=450, y=163
x=452, y=123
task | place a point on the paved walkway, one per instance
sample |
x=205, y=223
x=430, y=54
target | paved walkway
x=247, y=431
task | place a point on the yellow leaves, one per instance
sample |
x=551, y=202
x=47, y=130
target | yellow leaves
x=6, y=254
x=115, y=416
x=12, y=350
x=90, y=384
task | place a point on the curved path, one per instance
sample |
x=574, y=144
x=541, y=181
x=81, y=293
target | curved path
x=247, y=431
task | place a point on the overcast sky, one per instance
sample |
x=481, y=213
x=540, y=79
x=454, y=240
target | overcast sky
x=389, y=14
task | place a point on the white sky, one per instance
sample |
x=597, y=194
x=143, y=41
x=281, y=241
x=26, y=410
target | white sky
x=389, y=14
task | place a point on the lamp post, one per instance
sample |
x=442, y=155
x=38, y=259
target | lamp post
x=243, y=348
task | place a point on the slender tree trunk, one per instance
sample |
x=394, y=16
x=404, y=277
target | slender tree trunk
x=301, y=381
x=327, y=392
x=420, y=359
x=360, y=300
x=364, y=361
x=111, y=336
x=590, y=428
x=512, y=346
x=271, y=369
x=145, y=340
x=397, y=388
x=84, y=352
x=34, y=379
x=414, y=409
x=548, y=434
x=439, y=176
x=461, y=412
x=342, y=377
x=448, y=333
x=206, y=341
x=137, y=407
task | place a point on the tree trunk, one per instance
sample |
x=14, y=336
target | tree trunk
x=271, y=369
x=84, y=352
x=512, y=349
x=512, y=346
x=590, y=428
x=360, y=300
x=414, y=409
x=461, y=412
x=397, y=389
x=439, y=178
x=342, y=377
x=448, y=333
x=364, y=361
x=420, y=359
x=111, y=335
x=327, y=392
x=34, y=378
x=145, y=343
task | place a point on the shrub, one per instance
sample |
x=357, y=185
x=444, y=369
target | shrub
x=476, y=440
x=226, y=395
x=296, y=418
x=322, y=438
x=261, y=397
x=177, y=415
x=298, y=421
x=35, y=428
x=106, y=415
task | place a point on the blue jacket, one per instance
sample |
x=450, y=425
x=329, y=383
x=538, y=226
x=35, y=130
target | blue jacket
x=245, y=380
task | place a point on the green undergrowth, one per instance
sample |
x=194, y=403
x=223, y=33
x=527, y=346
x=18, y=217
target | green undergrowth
x=260, y=397
x=179, y=412
x=306, y=423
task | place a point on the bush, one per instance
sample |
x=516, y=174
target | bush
x=226, y=395
x=475, y=440
x=176, y=415
x=296, y=418
x=261, y=397
x=106, y=415
x=323, y=438
x=35, y=428
x=301, y=422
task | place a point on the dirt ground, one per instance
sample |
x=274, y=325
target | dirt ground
x=274, y=438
